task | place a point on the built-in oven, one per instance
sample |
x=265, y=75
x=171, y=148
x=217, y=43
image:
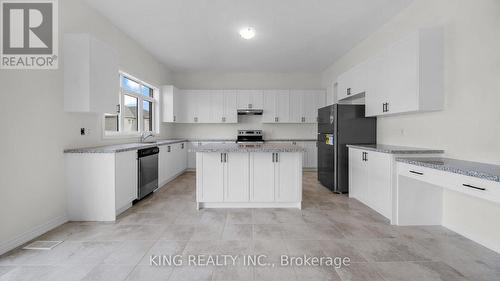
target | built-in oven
x=147, y=171
x=250, y=136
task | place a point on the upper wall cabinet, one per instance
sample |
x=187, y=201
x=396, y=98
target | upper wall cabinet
x=276, y=106
x=223, y=106
x=250, y=99
x=220, y=106
x=171, y=101
x=304, y=105
x=91, y=75
x=406, y=77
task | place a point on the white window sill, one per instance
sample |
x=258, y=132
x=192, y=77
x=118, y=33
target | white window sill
x=124, y=135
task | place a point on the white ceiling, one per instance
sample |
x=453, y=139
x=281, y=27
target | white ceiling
x=292, y=35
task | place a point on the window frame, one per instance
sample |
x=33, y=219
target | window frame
x=140, y=120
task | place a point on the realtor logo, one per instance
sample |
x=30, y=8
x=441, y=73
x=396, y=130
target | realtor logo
x=29, y=34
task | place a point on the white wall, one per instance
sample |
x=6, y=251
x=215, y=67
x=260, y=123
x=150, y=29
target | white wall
x=469, y=126
x=246, y=81
x=31, y=148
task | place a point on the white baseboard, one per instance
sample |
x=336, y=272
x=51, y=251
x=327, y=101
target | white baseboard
x=229, y=205
x=31, y=234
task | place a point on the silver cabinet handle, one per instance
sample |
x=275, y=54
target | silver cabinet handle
x=174, y=118
x=416, y=173
x=273, y=157
x=222, y=157
x=223, y=119
x=277, y=157
x=196, y=119
x=348, y=91
x=168, y=148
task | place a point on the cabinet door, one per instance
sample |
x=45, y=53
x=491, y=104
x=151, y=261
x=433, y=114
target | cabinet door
x=357, y=176
x=126, y=178
x=162, y=165
x=236, y=185
x=283, y=106
x=262, y=177
x=312, y=154
x=288, y=177
x=343, y=84
x=402, y=75
x=190, y=107
x=269, y=115
x=379, y=181
x=244, y=99
x=257, y=99
x=296, y=106
x=230, y=107
x=183, y=156
x=210, y=177
x=217, y=107
x=203, y=107
x=375, y=95
x=320, y=102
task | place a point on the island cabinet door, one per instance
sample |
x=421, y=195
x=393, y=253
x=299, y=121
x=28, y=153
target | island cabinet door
x=358, y=182
x=236, y=178
x=209, y=177
x=288, y=177
x=262, y=177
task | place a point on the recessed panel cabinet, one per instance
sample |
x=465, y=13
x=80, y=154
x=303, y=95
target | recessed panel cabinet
x=171, y=162
x=220, y=106
x=252, y=178
x=91, y=75
x=407, y=76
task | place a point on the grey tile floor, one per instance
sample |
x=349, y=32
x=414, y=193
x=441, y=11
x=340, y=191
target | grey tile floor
x=167, y=223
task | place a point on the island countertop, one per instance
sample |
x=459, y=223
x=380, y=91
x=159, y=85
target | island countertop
x=234, y=147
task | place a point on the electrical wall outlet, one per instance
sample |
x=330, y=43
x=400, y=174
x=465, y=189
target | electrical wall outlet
x=84, y=131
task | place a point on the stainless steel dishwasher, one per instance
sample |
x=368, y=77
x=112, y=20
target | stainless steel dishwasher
x=148, y=171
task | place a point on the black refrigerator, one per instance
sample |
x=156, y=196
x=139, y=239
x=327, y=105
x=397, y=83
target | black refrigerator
x=339, y=125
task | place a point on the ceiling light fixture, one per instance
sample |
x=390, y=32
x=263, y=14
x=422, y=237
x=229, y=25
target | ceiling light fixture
x=247, y=33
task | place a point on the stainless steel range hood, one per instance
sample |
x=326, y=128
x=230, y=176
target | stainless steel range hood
x=250, y=111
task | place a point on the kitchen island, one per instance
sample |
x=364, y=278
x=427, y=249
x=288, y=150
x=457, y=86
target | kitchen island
x=249, y=176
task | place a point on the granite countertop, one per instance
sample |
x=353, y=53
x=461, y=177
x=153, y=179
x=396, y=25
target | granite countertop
x=394, y=149
x=266, y=147
x=473, y=169
x=122, y=147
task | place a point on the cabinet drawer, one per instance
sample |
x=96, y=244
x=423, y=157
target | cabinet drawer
x=484, y=189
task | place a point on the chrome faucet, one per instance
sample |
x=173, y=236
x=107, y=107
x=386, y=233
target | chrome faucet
x=146, y=135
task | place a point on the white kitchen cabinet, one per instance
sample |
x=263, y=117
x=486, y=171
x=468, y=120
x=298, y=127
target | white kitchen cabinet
x=210, y=177
x=310, y=154
x=171, y=162
x=262, y=177
x=171, y=104
x=288, y=173
x=373, y=178
x=276, y=106
x=279, y=172
x=99, y=186
x=408, y=76
x=255, y=179
x=250, y=99
x=236, y=177
x=223, y=177
x=370, y=179
x=353, y=82
x=91, y=75
x=126, y=179
x=304, y=105
x=196, y=106
x=223, y=107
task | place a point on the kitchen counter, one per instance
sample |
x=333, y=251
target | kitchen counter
x=116, y=148
x=395, y=149
x=265, y=147
x=467, y=168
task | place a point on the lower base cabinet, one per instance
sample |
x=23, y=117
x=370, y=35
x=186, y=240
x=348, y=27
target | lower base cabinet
x=257, y=177
x=370, y=179
x=100, y=185
x=171, y=161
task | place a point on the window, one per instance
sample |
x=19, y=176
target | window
x=137, y=109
